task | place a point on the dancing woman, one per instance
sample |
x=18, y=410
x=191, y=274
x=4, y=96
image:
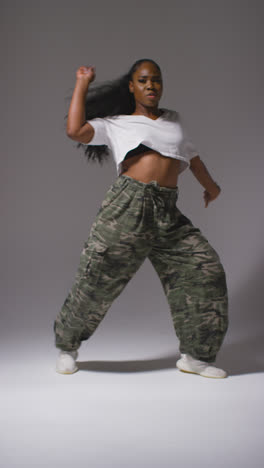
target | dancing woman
x=139, y=219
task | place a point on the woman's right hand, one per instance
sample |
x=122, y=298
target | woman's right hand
x=85, y=75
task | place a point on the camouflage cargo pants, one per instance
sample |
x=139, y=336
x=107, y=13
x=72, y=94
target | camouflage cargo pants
x=138, y=220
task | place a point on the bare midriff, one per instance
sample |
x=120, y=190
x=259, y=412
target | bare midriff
x=151, y=165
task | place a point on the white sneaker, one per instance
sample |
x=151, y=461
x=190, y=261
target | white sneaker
x=194, y=366
x=66, y=362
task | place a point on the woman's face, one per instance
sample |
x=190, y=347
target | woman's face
x=147, y=79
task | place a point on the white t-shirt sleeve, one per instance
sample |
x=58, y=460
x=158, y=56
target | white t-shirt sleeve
x=187, y=148
x=100, y=132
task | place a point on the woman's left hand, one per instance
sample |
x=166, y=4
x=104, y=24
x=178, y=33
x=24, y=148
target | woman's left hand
x=212, y=195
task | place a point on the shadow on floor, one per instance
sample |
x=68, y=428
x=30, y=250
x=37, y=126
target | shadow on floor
x=144, y=365
x=244, y=357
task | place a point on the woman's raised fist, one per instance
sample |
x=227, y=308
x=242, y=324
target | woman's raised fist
x=86, y=74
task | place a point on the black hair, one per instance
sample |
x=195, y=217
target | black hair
x=109, y=98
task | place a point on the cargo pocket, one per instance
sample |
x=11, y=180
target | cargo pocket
x=92, y=262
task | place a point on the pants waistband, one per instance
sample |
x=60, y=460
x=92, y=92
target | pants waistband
x=135, y=184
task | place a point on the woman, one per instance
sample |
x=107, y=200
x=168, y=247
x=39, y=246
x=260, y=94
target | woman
x=138, y=218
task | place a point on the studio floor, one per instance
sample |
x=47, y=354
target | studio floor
x=129, y=409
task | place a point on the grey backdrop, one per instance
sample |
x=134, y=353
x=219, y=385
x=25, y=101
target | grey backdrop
x=210, y=54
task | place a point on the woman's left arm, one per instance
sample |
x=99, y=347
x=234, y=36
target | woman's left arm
x=199, y=170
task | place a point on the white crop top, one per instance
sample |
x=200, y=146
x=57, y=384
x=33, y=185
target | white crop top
x=122, y=133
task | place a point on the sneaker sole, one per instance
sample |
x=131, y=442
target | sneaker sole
x=197, y=373
x=61, y=372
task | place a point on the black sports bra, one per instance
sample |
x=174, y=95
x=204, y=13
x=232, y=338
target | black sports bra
x=139, y=149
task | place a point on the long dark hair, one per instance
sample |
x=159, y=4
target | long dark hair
x=109, y=98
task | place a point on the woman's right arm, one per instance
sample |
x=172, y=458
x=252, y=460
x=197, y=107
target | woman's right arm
x=77, y=127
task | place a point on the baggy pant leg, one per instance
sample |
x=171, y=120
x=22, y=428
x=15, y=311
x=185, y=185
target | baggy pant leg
x=194, y=281
x=100, y=279
x=115, y=249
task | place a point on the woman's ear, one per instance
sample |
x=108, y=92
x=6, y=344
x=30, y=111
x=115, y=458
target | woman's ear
x=131, y=86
